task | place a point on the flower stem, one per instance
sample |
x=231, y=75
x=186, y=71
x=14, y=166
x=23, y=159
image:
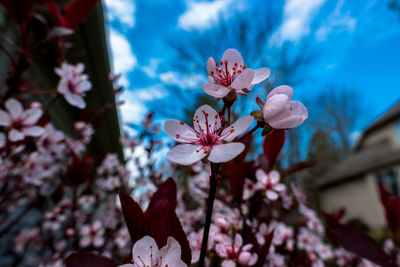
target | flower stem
x=255, y=128
x=210, y=204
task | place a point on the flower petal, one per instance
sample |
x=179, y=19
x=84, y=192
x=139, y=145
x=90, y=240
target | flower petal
x=239, y=127
x=32, y=115
x=210, y=65
x=33, y=131
x=276, y=107
x=243, y=80
x=283, y=89
x=186, y=154
x=260, y=75
x=171, y=254
x=274, y=177
x=14, y=107
x=225, y=152
x=5, y=119
x=279, y=187
x=261, y=176
x=213, y=89
x=15, y=135
x=297, y=116
x=176, y=130
x=145, y=251
x=199, y=119
x=84, y=86
x=75, y=100
x=238, y=240
x=272, y=195
x=232, y=56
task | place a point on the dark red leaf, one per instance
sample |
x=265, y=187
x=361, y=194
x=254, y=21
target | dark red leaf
x=298, y=167
x=237, y=170
x=86, y=259
x=391, y=205
x=55, y=13
x=76, y=12
x=166, y=192
x=135, y=219
x=272, y=146
x=356, y=241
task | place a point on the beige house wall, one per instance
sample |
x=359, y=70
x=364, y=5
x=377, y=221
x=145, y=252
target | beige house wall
x=359, y=197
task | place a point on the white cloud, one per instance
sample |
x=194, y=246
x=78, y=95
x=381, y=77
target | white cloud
x=202, y=15
x=188, y=81
x=336, y=22
x=122, y=11
x=151, y=68
x=123, y=59
x=132, y=111
x=297, y=16
x=170, y=77
x=151, y=93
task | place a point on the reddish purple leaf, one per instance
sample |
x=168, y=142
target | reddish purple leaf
x=166, y=192
x=391, y=205
x=135, y=219
x=76, y=12
x=272, y=146
x=237, y=170
x=356, y=241
x=86, y=259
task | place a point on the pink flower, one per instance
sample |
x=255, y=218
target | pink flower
x=282, y=113
x=232, y=74
x=21, y=123
x=145, y=253
x=269, y=183
x=92, y=234
x=235, y=252
x=73, y=84
x=207, y=138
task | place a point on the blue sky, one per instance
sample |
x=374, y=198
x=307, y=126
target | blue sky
x=356, y=43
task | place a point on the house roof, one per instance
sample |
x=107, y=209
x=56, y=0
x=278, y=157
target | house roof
x=356, y=164
x=364, y=159
x=393, y=113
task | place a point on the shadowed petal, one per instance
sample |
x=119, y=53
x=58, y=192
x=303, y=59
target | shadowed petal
x=213, y=89
x=145, y=251
x=171, y=254
x=32, y=115
x=210, y=65
x=15, y=135
x=176, y=129
x=186, y=154
x=260, y=75
x=14, y=107
x=232, y=56
x=5, y=119
x=239, y=127
x=199, y=119
x=283, y=89
x=225, y=152
x=243, y=80
x=33, y=131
